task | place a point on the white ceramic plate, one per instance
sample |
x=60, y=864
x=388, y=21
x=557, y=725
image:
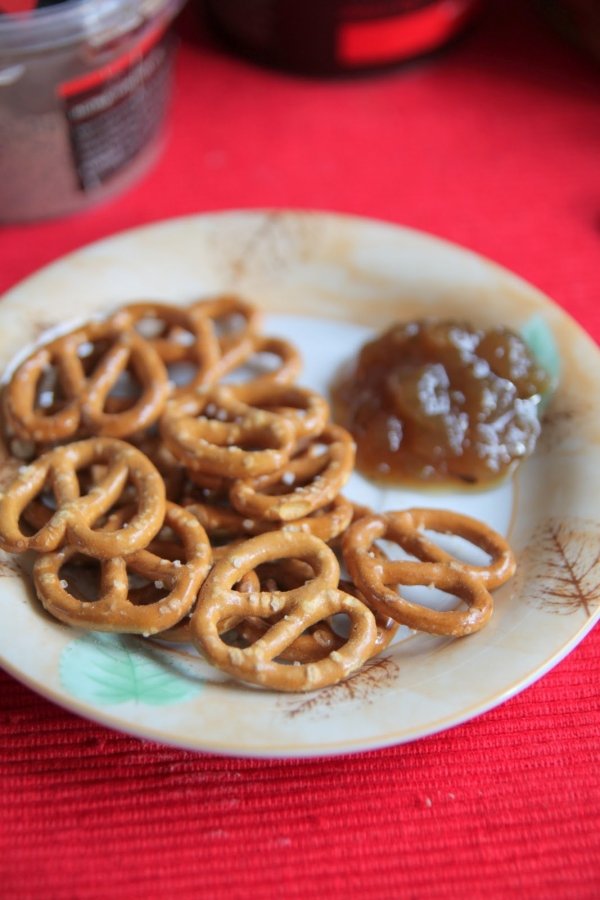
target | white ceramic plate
x=327, y=282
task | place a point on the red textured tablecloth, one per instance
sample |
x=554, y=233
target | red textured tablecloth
x=494, y=144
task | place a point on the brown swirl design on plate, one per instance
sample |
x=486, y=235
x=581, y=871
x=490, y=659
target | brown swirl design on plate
x=559, y=571
x=39, y=327
x=376, y=675
x=564, y=424
x=9, y=567
x=274, y=243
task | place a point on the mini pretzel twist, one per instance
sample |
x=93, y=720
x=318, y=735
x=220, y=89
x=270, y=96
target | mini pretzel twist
x=408, y=527
x=236, y=440
x=248, y=364
x=319, y=640
x=222, y=522
x=326, y=523
x=235, y=323
x=301, y=607
x=309, y=481
x=216, y=335
x=181, y=335
x=75, y=514
x=171, y=470
x=376, y=577
x=88, y=362
x=306, y=409
x=181, y=634
x=117, y=607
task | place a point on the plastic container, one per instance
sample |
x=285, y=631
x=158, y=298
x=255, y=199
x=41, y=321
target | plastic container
x=84, y=88
x=333, y=37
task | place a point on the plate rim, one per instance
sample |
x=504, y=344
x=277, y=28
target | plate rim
x=324, y=749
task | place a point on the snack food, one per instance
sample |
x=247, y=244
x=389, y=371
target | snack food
x=376, y=578
x=215, y=434
x=179, y=335
x=62, y=389
x=309, y=481
x=117, y=606
x=220, y=520
x=72, y=516
x=301, y=607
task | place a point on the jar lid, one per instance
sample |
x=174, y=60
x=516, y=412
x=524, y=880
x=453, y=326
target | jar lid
x=70, y=21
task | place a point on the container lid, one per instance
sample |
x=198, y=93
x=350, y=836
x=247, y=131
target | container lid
x=26, y=29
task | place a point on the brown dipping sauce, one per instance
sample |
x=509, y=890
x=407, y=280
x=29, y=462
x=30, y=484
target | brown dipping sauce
x=441, y=402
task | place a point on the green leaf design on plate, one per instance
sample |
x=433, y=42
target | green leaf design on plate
x=538, y=336
x=108, y=669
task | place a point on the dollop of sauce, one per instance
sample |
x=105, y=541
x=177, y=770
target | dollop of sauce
x=441, y=402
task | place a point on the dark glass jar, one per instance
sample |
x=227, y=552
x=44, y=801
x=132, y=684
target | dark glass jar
x=324, y=37
x=578, y=20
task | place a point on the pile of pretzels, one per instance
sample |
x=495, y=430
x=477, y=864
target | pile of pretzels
x=175, y=487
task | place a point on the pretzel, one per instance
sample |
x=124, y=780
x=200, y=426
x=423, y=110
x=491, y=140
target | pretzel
x=313, y=645
x=181, y=634
x=210, y=486
x=319, y=640
x=179, y=335
x=236, y=344
x=373, y=575
x=173, y=473
x=326, y=523
x=301, y=607
x=238, y=440
x=118, y=607
x=387, y=627
x=358, y=511
x=245, y=377
x=408, y=531
x=306, y=409
x=75, y=515
x=222, y=522
x=87, y=362
x=307, y=482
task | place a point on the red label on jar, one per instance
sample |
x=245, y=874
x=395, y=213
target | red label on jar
x=407, y=34
x=14, y=7
x=113, y=112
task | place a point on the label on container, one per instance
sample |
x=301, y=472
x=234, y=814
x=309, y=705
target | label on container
x=390, y=30
x=115, y=111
